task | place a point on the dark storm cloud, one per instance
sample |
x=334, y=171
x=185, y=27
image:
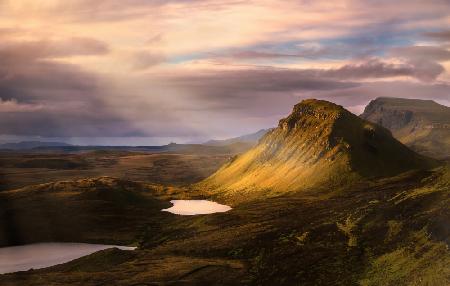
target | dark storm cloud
x=270, y=92
x=71, y=101
x=45, y=76
x=258, y=79
x=26, y=68
x=48, y=98
x=40, y=96
x=61, y=112
x=250, y=91
x=67, y=122
x=241, y=81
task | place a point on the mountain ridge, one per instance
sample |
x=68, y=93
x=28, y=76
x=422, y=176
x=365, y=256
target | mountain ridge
x=251, y=138
x=26, y=145
x=318, y=143
x=423, y=125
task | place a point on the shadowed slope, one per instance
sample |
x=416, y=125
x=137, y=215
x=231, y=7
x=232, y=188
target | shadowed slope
x=98, y=210
x=423, y=125
x=318, y=142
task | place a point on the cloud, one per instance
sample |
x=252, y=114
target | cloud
x=240, y=94
x=207, y=68
x=291, y=51
x=143, y=60
x=16, y=51
x=425, y=59
x=434, y=53
x=39, y=96
x=443, y=35
x=256, y=91
x=13, y=106
x=308, y=52
x=419, y=69
x=360, y=95
x=213, y=101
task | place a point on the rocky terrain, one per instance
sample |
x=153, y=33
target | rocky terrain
x=423, y=125
x=319, y=143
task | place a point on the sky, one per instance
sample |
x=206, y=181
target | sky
x=141, y=72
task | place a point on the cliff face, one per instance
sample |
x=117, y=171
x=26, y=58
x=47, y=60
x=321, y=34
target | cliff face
x=423, y=125
x=318, y=143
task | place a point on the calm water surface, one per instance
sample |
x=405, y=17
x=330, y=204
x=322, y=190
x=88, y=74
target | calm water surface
x=40, y=255
x=195, y=207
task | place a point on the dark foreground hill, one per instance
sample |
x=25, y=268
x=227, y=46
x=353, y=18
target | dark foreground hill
x=98, y=210
x=423, y=125
x=391, y=232
x=319, y=143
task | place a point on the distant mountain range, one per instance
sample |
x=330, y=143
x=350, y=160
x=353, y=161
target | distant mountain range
x=232, y=145
x=423, y=125
x=24, y=145
x=38, y=147
x=252, y=138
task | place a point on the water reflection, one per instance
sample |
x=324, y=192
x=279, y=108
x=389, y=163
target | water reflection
x=195, y=207
x=40, y=255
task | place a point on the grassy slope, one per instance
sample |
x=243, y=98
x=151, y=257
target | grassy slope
x=319, y=143
x=101, y=210
x=20, y=169
x=392, y=232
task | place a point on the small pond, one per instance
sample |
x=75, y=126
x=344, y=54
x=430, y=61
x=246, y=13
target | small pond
x=40, y=255
x=196, y=207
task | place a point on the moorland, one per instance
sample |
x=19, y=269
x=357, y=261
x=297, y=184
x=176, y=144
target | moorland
x=325, y=198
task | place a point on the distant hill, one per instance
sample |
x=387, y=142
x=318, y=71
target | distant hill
x=80, y=210
x=423, y=125
x=56, y=147
x=24, y=145
x=319, y=142
x=248, y=138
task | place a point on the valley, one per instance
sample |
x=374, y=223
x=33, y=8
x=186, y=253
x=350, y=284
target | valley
x=20, y=169
x=326, y=198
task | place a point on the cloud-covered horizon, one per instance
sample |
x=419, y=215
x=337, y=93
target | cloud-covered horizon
x=191, y=70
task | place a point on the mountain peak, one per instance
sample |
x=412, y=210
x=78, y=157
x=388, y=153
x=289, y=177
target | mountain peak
x=402, y=100
x=402, y=104
x=318, y=143
x=313, y=112
x=421, y=124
